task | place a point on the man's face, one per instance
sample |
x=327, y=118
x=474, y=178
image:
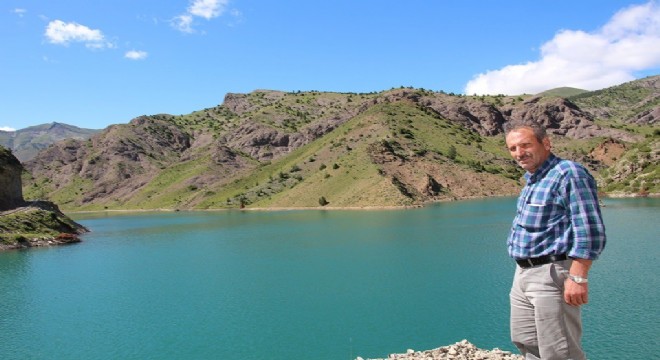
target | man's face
x=526, y=149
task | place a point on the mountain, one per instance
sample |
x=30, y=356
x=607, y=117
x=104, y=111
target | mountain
x=401, y=147
x=26, y=143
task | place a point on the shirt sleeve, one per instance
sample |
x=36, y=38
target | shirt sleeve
x=587, y=228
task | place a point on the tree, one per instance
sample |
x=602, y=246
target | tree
x=323, y=201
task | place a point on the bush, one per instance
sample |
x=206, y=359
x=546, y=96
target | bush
x=452, y=152
x=323, y=201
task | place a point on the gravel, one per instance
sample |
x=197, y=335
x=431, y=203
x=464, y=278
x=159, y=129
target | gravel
x=462, y=350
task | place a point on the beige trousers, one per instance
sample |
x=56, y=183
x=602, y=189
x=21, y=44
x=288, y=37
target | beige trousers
x=543, y=325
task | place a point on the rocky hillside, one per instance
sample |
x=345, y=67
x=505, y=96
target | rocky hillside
x=26, y=143
x=28, y=224
x=402, y=147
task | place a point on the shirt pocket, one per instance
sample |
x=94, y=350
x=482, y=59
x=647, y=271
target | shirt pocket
x=535, y=216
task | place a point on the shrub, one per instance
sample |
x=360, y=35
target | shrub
x=452, y=152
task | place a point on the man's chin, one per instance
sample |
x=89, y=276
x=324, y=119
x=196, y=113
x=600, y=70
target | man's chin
x=526, y=166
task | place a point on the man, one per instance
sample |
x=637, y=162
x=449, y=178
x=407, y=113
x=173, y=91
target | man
x=556, y=234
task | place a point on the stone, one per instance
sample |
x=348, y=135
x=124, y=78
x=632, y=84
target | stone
x=463, y=350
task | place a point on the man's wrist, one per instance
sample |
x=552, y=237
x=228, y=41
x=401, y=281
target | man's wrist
x=578, y=279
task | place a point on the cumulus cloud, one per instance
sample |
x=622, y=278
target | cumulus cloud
x=629, y=42
x=207, y=9
x=6, y=128
x=136, y=55
x=61, y=33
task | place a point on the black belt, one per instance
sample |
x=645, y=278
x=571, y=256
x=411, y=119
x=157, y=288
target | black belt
x=542, y=260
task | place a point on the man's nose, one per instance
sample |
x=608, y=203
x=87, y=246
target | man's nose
x=517, y=153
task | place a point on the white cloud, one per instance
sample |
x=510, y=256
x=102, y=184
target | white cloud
x=629, y=42
x=6, y=128
x=19, y=12
x=183, y=23
x=61, y=33
x=136, y=55
x=207, y=9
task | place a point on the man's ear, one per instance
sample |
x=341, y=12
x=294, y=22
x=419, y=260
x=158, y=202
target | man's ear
x=546, y=143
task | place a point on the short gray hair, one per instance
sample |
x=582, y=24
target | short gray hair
x=536, y=127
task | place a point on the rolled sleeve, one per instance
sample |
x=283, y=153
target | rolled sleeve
x=587, y=227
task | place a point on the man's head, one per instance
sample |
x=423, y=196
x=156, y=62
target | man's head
x=527, y=143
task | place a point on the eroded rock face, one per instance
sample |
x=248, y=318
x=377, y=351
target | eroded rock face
x=11, y=191
x=649, y=117
x=483, y=118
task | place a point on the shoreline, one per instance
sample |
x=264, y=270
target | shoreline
x=334, y=208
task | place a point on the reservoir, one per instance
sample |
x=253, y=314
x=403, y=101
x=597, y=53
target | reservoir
x=309, y=284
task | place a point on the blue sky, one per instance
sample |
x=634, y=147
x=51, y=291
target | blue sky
x=97, y=63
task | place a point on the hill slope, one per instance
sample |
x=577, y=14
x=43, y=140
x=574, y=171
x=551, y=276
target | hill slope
x=401, y=147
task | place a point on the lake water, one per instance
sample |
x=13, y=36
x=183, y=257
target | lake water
x=309, y=284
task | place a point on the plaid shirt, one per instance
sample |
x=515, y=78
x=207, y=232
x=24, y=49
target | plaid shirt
x=558, y=212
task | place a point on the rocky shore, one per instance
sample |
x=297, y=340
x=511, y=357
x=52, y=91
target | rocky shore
x=463, y=350
x=25, y=224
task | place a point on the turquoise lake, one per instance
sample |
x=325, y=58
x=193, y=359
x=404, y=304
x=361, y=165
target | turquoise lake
x=309, y=284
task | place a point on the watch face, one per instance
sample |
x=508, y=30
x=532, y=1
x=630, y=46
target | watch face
x=578, y=279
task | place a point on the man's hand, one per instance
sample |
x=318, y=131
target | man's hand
x=576, y=294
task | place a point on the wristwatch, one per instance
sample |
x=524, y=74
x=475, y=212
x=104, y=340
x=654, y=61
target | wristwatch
x=578, y=279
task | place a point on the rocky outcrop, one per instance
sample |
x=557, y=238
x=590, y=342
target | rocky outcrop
x=11, y=190
x=562, y=117
x=262, y=142
x=38, y=224
x=237, y=103
x=648, y=117
x=483, y=118
x=29, y=224
x=462, y=350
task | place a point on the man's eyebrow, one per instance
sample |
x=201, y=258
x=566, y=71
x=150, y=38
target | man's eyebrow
x=524, y=144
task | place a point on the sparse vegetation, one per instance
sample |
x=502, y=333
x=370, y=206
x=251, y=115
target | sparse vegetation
x=277, y=149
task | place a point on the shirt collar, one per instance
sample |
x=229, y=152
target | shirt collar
x=547, y=165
